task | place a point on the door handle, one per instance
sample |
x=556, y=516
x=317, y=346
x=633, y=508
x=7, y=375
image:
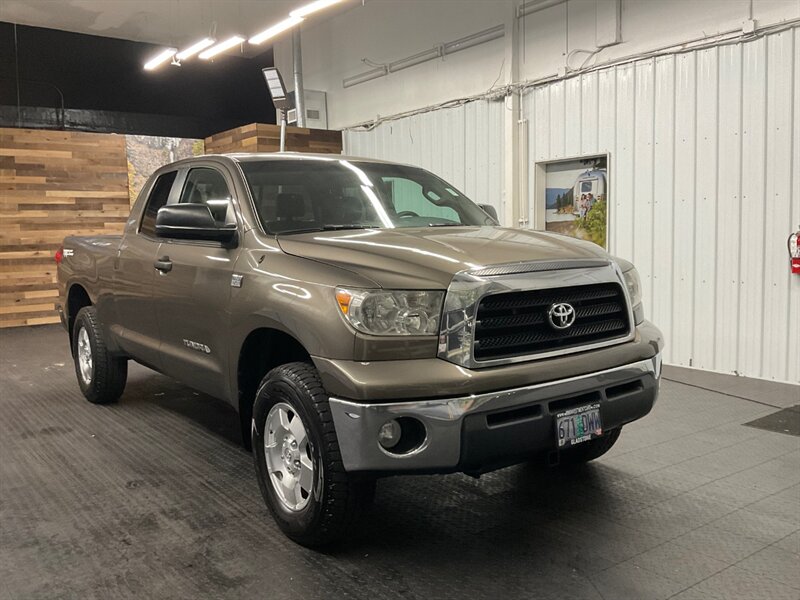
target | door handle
x=163, y=264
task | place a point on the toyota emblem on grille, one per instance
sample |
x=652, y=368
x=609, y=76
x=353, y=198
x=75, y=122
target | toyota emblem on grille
x=561, y=315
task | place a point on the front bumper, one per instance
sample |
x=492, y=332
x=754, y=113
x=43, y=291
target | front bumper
x=480, y=432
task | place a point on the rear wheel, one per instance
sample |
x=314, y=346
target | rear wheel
x=296, y=453
x=101, y=375
x=586, y=451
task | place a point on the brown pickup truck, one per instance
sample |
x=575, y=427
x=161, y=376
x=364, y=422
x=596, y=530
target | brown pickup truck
x=365, y=319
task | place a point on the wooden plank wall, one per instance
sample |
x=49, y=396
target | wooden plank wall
x=52, y=184
x=260, y=137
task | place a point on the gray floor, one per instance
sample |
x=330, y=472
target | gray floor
x=154, y=498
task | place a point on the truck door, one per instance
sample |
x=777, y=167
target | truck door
x=192, y=290
x=135, y=322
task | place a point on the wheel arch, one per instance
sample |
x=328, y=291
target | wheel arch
x=77, y=298
x=262, y=350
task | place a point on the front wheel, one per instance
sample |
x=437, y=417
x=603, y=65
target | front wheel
x=296, y=453
x=101, y=375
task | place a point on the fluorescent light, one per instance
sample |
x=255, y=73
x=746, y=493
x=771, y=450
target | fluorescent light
x=194, y=49
x=221, y=47
x=262, y=37
x=313, y=7
x=160, y=58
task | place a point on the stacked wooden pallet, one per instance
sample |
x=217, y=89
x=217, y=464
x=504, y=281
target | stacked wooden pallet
x=260, y=137
x=52, y=184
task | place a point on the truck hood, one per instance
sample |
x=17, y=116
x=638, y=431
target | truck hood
x=427, y=258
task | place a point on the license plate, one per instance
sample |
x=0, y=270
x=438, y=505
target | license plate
x=578, y=425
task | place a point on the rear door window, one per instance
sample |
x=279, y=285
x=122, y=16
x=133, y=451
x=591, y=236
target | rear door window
x=158, y=198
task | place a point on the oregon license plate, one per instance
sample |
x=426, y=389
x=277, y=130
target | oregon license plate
x=578, y=425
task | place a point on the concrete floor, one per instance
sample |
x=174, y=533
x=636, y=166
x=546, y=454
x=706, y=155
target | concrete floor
x=154, y=498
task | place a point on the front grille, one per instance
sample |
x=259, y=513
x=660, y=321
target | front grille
x=516, y=323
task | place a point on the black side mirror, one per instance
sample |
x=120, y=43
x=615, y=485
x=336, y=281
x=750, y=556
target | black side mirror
x=489, y=210
x=192, y=222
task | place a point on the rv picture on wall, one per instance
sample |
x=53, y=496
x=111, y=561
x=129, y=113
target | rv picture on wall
x=576, y=198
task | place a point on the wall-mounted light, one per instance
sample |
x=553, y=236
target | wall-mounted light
x=313, y=7
x=159, y=59
x=271, y=32
x=221, y=47
x=194, y=49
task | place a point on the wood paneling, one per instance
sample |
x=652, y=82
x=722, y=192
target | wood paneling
x=260, y=137
x=52, y=184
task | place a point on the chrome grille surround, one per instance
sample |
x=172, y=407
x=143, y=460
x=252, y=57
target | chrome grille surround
x=468, y=288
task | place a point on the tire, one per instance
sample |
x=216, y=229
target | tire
x=583, y=453
x=329, y=500
x=102, y=378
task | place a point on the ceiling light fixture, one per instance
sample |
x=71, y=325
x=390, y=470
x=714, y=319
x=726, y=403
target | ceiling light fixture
x=313, y=7
x=221, y=47
x=194, y=49
x=160, y=59
x=262, y=37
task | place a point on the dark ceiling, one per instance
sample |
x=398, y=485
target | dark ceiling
x=103, y=82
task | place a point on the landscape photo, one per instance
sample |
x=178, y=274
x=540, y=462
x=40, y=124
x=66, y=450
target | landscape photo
x=576, y=198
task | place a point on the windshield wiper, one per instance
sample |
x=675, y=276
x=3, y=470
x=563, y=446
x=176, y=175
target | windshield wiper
x=350, y=226
x=446, y=225
x=327, y=228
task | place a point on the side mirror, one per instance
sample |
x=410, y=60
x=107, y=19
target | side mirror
x=192, y=222
x=489, y=210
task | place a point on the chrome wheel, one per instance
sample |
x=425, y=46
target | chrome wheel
x=288, y=457
x=85, y=356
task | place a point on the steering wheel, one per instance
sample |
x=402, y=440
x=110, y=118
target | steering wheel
x=404, y=214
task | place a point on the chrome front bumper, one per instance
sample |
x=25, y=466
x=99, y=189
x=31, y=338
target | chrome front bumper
x=357, y=424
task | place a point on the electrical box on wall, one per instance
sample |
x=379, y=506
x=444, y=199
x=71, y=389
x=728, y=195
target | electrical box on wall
x=316, y=110
x=608, y=30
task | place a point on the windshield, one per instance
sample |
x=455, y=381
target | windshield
x=292, y=196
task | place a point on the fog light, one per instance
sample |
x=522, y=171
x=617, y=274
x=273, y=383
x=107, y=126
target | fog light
x=389, y=434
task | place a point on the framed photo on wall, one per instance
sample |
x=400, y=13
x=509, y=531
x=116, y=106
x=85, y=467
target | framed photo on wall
x=575, y=197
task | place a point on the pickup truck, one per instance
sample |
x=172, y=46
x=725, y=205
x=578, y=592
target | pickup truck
x=365, y=319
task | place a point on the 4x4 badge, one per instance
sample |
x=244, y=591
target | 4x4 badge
x=236, y=280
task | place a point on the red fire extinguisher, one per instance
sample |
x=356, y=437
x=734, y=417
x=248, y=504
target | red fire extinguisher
x=794, y=251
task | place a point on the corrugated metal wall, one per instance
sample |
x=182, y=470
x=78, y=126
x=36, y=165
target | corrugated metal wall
x=705, y=189
x=704, y=185
x=464, y=145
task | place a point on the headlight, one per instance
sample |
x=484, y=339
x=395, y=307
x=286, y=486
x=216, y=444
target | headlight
x=391, y=312
x=634, y=285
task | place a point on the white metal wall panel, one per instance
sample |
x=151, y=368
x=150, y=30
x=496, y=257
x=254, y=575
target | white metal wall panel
x=464, y=145
x=705, y=188
x=590, y=106
x=641, y=204
x=683, y=199
x=623, y=207
x=778, y=196
x=660, y=303
x=793, y=322
x=729, y=206
x=706, y=209
x=751, y=289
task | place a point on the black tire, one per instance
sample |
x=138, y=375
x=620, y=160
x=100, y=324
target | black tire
x=109, y=373
x=338, y=498
x=583, y=453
